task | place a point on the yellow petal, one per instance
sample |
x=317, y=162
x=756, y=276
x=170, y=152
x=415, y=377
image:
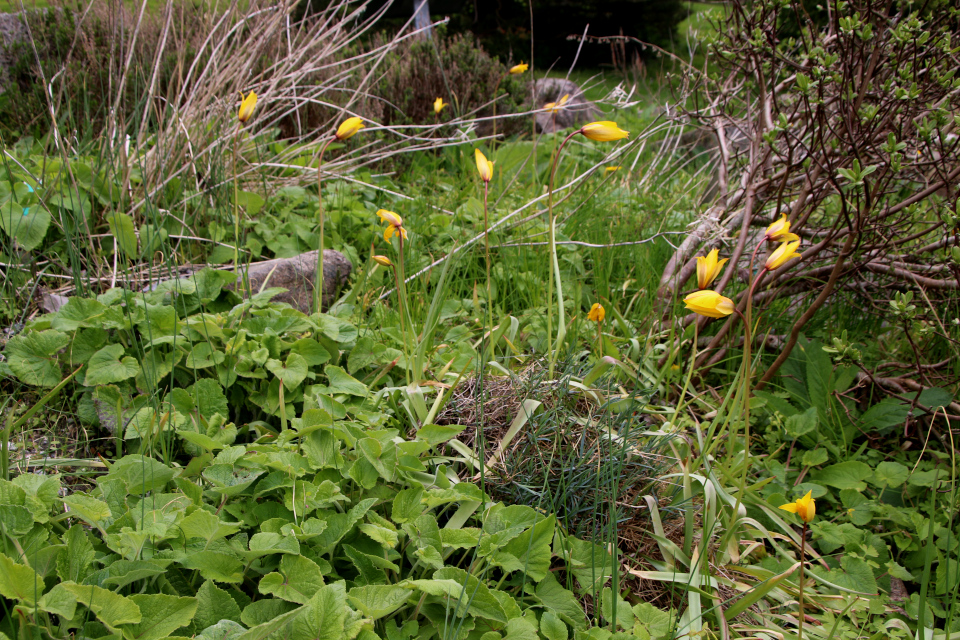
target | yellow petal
x=709, y=303
x=519, y=68
x=792, y=507
x=383, y=260
x=388, y=232
x=484, y=166
x=390, y=217
x=247, y=107
x=783, y=253
x=778, y=228
x=349, y=127
x=603, y=131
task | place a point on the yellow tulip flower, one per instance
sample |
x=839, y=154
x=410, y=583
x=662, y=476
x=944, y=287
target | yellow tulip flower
x=784, y=252
x=708, y=268
x=597, y=312
x=484, y=166
x=438, y=105
x=780, y=230
x=554, y=107
x=611, y=169
x=394, y=225
x=604, y=131
x=804, y=507
x=383, y=261
x=349, y=127
x=709, y=303
x=247, y=107
x=519, y=68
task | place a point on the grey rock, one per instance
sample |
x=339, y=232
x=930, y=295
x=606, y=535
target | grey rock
x=297, y=275
x=12, y=31
x=51, y=302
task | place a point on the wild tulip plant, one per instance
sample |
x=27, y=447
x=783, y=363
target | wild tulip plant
x=605, y=131
x=247, y=106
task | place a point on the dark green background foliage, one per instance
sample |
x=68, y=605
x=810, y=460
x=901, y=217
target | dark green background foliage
x=504, y=27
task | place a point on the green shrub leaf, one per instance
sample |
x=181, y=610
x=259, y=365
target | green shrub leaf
x=32, y=357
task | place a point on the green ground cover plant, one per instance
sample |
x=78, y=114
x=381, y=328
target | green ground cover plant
x=431, y=455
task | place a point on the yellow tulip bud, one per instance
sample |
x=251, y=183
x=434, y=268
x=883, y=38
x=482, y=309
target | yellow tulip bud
x=247, y=107
x=484, y=166
x=349, y=127
x=519, y=68
x=597, y=312
x=611, y=169
x=784, y=252
x=708, y=268
x=438, y=105
x=804, y=507
x=604, y=131
x=709, y=303
x=383, y=261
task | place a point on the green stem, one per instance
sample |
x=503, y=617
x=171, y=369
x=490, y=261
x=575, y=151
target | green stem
x=486, y=246
x=405, y=307
x=236, y=203
x=318, y=278
x=561, y=321
x=403, y=324
x=803, y=542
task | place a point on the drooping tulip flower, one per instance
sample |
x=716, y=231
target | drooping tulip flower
x=604, y=131
x=383, y=261
x=394, y=225
x=709, y=303
x=708, y=268
x=597, y=312
x=349, y=127
x=438, y=105
x=247, y=107
x=519, y=68
x=804, y=507
x=554, y=107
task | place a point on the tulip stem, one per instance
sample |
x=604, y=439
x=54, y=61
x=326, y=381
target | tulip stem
x=599, y=342
x=555, y=264
x=318, y=277
x=236, y=208
x=803, y=542
x=405, y=307
x=403, y=324
x=486, y=243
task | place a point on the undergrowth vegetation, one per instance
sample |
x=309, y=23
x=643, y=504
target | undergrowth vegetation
x=503, y=423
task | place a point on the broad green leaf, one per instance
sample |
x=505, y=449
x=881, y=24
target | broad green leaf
x=265, y=543
x=213, y=605
x=141, y=474
x=311, y=351
x=884, y=415
x=299, y=578
x=79, y=313
x=228, y=481
x=224, y=630
x=385, y=537
x=343, y=382
x=802, y=423
x=210, y=283
x=208, y=397
x=203, y=355
x=161, y=616
x=521, y=629
x=74, y=564
x=465, y=538
x=90, y=510
x=122, y=230
x=106, y=366
x=27, y=225
x=844, y=475
x=33, y=357
x=124, y=572
x=18, y=582
x=216, y=566
x=59, y=601
x=324, y=616
x=261, y=611
x=814, y=458
x=15, y=521
x=452, y=581
x=437, y=434
x=203, y=524
x=377, y=601
x=898, y=571
x=561, y=601
x=891, y=474
x=406, y=505
x=552, y=627
x=530, y=551
x=655, y=622
x=151, y=239
x=292, y=372
x=624, y=614
x=112, y=608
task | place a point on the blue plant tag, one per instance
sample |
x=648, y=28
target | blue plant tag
x=26, y=210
